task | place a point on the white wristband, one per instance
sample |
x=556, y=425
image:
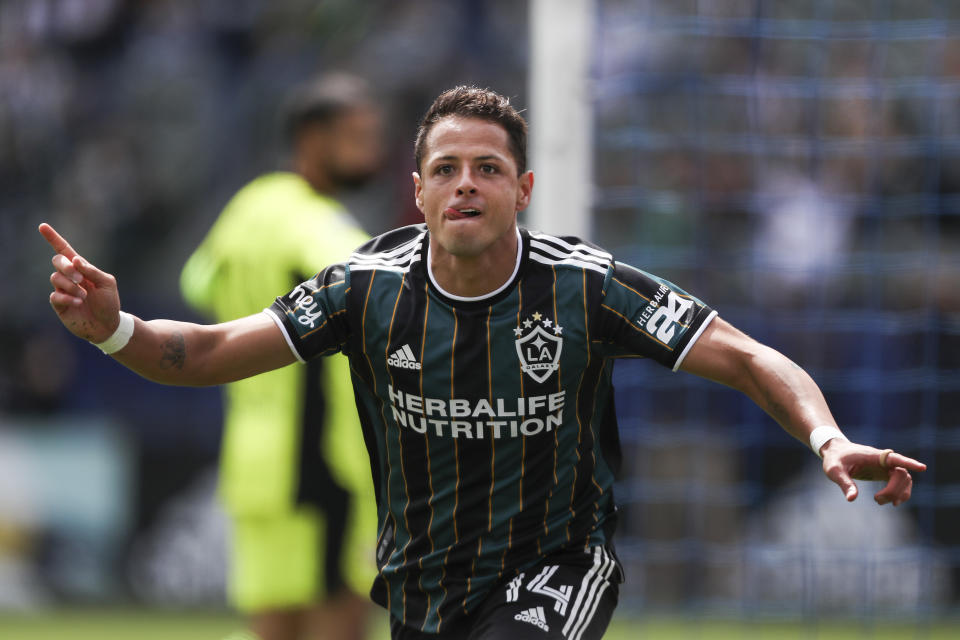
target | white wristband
x=821, y=435
x=120, y=337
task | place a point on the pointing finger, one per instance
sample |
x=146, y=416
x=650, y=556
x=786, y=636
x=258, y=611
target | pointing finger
x=59, y=244
x=895, y=459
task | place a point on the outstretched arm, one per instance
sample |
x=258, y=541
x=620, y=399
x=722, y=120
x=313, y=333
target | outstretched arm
x=793, y=399
x=87, y=302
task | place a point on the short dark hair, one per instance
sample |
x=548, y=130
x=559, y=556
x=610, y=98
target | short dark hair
x=473, y=102
x=321, y=100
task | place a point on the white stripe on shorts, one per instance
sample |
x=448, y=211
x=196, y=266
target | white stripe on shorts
x=585, y=606
x=596, y=601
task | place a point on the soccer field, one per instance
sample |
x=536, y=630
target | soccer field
x=153, y=625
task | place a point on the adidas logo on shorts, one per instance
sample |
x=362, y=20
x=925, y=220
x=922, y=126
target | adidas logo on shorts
x=404, y=358
x=535, y=616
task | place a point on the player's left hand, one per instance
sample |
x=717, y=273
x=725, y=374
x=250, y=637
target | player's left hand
x=845, y=461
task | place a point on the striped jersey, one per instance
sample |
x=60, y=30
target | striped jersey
x=489, y=421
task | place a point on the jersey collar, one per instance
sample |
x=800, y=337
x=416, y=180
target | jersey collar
x=487, y=298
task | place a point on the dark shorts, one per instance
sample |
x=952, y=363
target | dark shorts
x=570, y=595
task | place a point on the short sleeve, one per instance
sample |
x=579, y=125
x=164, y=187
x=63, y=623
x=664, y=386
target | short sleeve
x=642, y=315
x=313, y=317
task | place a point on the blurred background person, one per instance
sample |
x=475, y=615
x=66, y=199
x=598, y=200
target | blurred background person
x=294, y=473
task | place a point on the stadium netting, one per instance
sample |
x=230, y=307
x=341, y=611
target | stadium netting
x=796, y=165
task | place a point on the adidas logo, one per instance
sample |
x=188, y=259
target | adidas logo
x=404, y=358
x=535, y=616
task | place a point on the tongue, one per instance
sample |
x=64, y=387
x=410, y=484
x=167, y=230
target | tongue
x=454, y=214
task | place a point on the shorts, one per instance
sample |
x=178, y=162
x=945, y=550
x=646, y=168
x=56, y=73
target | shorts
x=570, y=595
x=296, y=484
x=297, y=559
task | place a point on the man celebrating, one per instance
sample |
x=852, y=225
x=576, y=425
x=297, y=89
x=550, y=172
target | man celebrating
x=481, y=357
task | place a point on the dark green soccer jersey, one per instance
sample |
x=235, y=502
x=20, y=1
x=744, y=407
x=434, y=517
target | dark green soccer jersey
x=489, y=420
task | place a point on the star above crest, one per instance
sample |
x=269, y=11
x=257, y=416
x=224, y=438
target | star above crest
x=534, y=319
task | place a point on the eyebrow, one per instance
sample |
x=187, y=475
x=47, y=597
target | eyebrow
x=484, y=158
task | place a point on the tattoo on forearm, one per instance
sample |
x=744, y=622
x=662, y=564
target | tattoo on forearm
x=775, y=404
x=777, y=410
x=173, y=352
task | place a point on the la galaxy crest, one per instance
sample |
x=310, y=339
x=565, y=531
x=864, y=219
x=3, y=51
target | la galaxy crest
x=539, y=341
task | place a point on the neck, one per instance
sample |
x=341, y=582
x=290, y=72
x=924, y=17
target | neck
x=474, y=276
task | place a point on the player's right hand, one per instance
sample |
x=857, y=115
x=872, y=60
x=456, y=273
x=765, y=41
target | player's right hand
x=85, y=298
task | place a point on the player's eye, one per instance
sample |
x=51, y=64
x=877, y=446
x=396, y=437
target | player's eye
x=488, y=168
x=443, y=170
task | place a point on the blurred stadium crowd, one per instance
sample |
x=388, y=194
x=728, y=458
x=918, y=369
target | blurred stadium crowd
x=795, y=164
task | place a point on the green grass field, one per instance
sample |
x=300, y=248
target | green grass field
x=153, y=625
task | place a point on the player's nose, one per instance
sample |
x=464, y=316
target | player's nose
x=467, y=185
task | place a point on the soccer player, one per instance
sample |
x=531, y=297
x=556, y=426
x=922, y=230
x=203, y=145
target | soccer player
x=301, y=503
x=481, y=356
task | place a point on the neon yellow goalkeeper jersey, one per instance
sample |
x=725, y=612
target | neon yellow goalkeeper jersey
x=281, y=445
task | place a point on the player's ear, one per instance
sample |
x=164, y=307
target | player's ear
x=418, y=190
x=525, y=191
